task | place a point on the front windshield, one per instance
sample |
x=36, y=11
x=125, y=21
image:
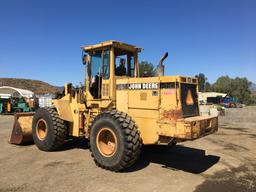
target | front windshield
x=95, y=73
x=96, y=63
x=99, y=70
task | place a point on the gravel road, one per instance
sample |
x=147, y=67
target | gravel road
x=224, y=161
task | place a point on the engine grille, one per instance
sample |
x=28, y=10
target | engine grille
x=105, y=89
x=189, y=100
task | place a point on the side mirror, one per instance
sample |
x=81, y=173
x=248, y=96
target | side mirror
x=84, y=58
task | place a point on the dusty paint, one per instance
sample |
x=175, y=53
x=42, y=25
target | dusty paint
x=22, y=128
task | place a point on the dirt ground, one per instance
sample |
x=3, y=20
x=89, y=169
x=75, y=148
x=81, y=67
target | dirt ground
x=224, y=161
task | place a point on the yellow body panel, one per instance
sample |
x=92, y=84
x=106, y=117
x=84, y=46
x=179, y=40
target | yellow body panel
x=147, y=124
x=156, y=110
x=69, y=108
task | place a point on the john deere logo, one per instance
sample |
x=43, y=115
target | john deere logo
x=189, y=98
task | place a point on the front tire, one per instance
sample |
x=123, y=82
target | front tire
x=48, y=130
x=115, y=143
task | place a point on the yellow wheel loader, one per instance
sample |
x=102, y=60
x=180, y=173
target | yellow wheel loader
x=117, y=110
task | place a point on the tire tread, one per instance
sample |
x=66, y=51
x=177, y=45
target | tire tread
x=133, y=143
x=59, y=131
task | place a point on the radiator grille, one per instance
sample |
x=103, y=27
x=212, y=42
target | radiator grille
x=189, y=100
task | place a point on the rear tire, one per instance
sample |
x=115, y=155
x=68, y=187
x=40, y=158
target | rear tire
x=48, y=130
x=115, y=142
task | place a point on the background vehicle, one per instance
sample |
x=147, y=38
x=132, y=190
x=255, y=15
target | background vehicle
x=10, y=105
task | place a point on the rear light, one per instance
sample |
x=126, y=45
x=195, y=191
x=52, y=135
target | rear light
x=188, y=80
x=183, y=79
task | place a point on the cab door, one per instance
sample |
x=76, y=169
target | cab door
x=105, y=91
x=95, y=73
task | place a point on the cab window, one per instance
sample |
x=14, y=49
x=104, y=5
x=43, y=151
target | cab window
x=96, y=73
x=124, y=63
x=106, y=63
x=96, y=62
x=99, y=69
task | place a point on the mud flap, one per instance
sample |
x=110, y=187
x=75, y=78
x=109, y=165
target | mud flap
x=22, y=128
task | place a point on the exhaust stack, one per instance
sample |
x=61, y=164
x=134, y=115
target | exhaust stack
x=159, y=71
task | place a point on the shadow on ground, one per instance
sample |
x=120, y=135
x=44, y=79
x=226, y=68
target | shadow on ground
x=79, y=143
x=176, y=158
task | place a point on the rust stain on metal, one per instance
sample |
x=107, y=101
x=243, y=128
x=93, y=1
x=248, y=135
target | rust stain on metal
x=172, y=114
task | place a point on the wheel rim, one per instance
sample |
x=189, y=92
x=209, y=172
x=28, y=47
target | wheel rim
x=106, y=142
x=41, y=129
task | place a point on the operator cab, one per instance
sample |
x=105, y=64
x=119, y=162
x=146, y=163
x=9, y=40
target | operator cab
x=124, y=63
x=108, y=61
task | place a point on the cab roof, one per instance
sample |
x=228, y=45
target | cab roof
x=114, y=43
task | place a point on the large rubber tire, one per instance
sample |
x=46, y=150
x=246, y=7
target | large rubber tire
x=128, y=140
x=56, y=130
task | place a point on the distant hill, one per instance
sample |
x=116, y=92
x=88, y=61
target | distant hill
x=38, y=87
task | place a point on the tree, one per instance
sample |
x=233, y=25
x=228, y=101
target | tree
x=224, y=85
x=202, y=82
x=145, y=67
x=241, y=89
x=238, y=87
x=253, y=99
x=208, y=87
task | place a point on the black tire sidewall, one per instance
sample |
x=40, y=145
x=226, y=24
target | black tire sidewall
x=112, y=124
x=46, y=143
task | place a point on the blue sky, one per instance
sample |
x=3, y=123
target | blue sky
x=41, y=39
